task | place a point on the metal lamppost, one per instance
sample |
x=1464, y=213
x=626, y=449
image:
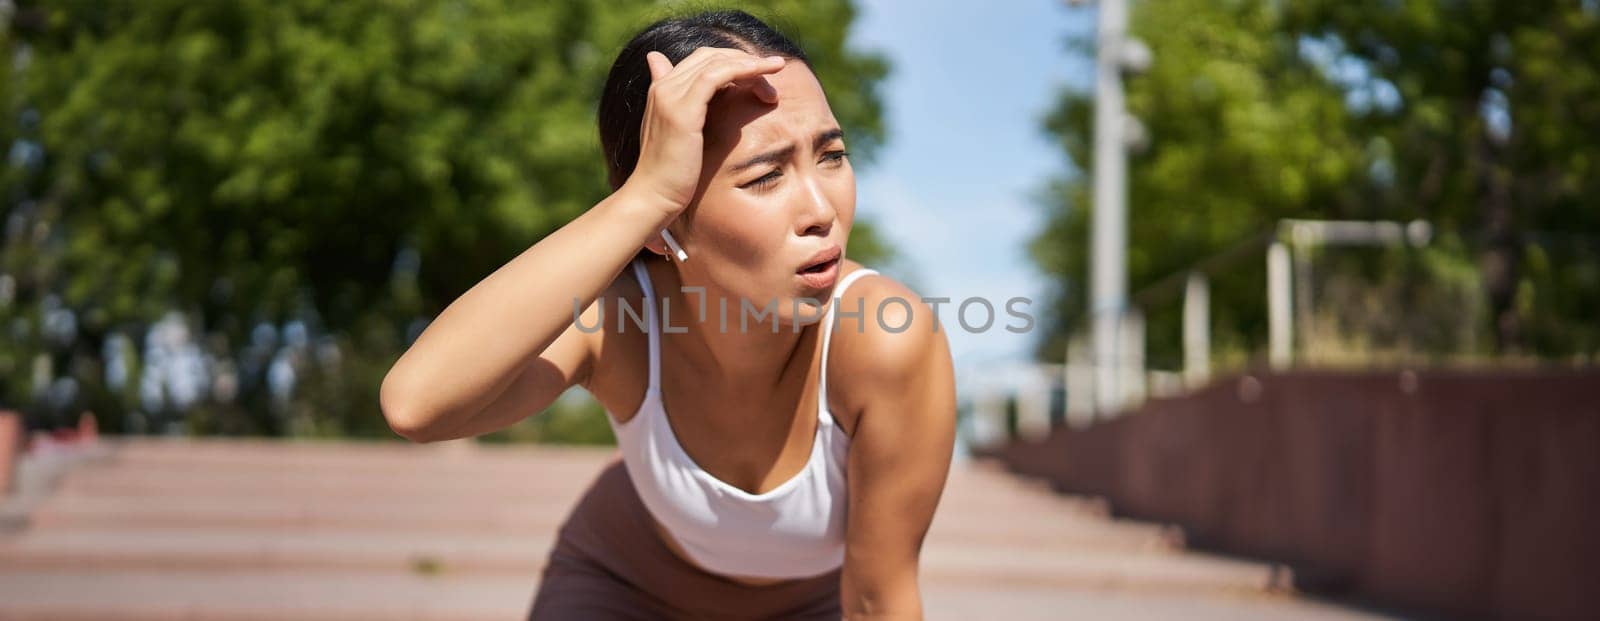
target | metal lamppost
x=1114, y=133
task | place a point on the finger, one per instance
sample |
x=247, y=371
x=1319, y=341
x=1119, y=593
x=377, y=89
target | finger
x=683, y=74
x=758, y=86
x=702, y=55
x=660, y=66
x=764, y=90
x=714, y=76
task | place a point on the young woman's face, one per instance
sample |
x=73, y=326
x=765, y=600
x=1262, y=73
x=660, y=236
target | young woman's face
x=776, y=195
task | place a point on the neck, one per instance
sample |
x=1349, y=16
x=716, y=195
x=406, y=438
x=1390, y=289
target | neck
x=754, y=360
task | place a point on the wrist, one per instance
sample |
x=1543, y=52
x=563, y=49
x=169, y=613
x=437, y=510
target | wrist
x=645, y=205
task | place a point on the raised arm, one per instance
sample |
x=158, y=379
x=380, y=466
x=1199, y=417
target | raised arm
x=508, y=347
x=514, y=329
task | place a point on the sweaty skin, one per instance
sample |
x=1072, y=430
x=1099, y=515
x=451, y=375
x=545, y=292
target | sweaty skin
x=773, y=187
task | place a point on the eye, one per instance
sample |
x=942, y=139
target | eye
x=764, y=181
x=834, y=157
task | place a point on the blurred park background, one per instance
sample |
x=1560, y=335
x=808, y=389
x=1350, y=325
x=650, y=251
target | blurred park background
x=230, y=218
x=227, y=219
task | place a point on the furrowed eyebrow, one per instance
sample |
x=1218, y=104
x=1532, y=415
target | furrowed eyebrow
x=826, y=137
x=770, y=157
x=782, y=153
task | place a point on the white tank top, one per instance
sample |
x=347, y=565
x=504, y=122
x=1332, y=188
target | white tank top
x=795, y=530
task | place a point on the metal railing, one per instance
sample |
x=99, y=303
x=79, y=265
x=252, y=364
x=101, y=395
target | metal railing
x=1094, y=389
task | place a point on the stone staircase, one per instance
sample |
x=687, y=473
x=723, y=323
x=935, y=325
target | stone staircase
x=259, y=529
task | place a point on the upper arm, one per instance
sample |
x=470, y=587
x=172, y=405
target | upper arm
x=568, y=361
x=903, y=389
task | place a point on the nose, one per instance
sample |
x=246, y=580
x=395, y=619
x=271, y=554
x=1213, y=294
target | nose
x=816, y=212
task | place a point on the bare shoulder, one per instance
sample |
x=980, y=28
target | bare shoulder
x=895, y=342
x=621, y=364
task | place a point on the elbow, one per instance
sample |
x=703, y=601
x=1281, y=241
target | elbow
x=410, y=430
x=403, y=415
x=892, y=596
x=406, y=424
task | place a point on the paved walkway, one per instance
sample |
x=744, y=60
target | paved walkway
x=235, y=530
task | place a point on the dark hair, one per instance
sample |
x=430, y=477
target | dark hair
x=628, y=85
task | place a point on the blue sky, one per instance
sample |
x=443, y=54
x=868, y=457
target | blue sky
x=952, y=189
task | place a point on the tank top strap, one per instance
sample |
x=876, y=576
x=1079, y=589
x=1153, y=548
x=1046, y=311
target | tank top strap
x=643, y=276
x=827, y=335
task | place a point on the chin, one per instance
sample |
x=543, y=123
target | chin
x=801, y=312
x=810, y=314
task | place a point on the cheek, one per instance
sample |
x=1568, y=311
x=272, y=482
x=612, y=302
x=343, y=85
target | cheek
x=842, y=194
x=738, y=229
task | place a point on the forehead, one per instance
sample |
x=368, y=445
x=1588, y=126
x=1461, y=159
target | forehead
x=736, y=121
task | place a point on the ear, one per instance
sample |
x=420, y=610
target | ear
x=658, y=245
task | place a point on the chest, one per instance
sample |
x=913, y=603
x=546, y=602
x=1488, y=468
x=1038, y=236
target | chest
x=754, y=440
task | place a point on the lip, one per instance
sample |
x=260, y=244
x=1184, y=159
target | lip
x=824, y=278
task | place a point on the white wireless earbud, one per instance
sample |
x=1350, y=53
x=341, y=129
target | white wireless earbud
x=673, y=244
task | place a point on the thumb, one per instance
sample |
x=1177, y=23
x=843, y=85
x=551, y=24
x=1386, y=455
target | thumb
x=659, y=65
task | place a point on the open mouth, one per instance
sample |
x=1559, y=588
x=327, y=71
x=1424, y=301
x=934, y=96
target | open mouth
x=819, y=268
x=822, y=269
x=823, y=261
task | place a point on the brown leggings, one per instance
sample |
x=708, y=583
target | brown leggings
x=609, y=563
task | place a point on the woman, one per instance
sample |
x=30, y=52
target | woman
x=806, y=445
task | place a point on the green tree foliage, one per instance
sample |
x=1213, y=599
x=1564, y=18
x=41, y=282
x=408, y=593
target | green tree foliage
x=1244, y=132
x=1496, y=106
x=354, y=165
x=1469, y=115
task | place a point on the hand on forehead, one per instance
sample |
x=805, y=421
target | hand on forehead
x=766, y=109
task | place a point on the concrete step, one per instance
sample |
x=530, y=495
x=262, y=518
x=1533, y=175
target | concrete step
x=969, y=563
x=248, y=530
x=531, y=481
x=293, y=514
x=146, y=595
x=236, y=549
x=156, y=594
